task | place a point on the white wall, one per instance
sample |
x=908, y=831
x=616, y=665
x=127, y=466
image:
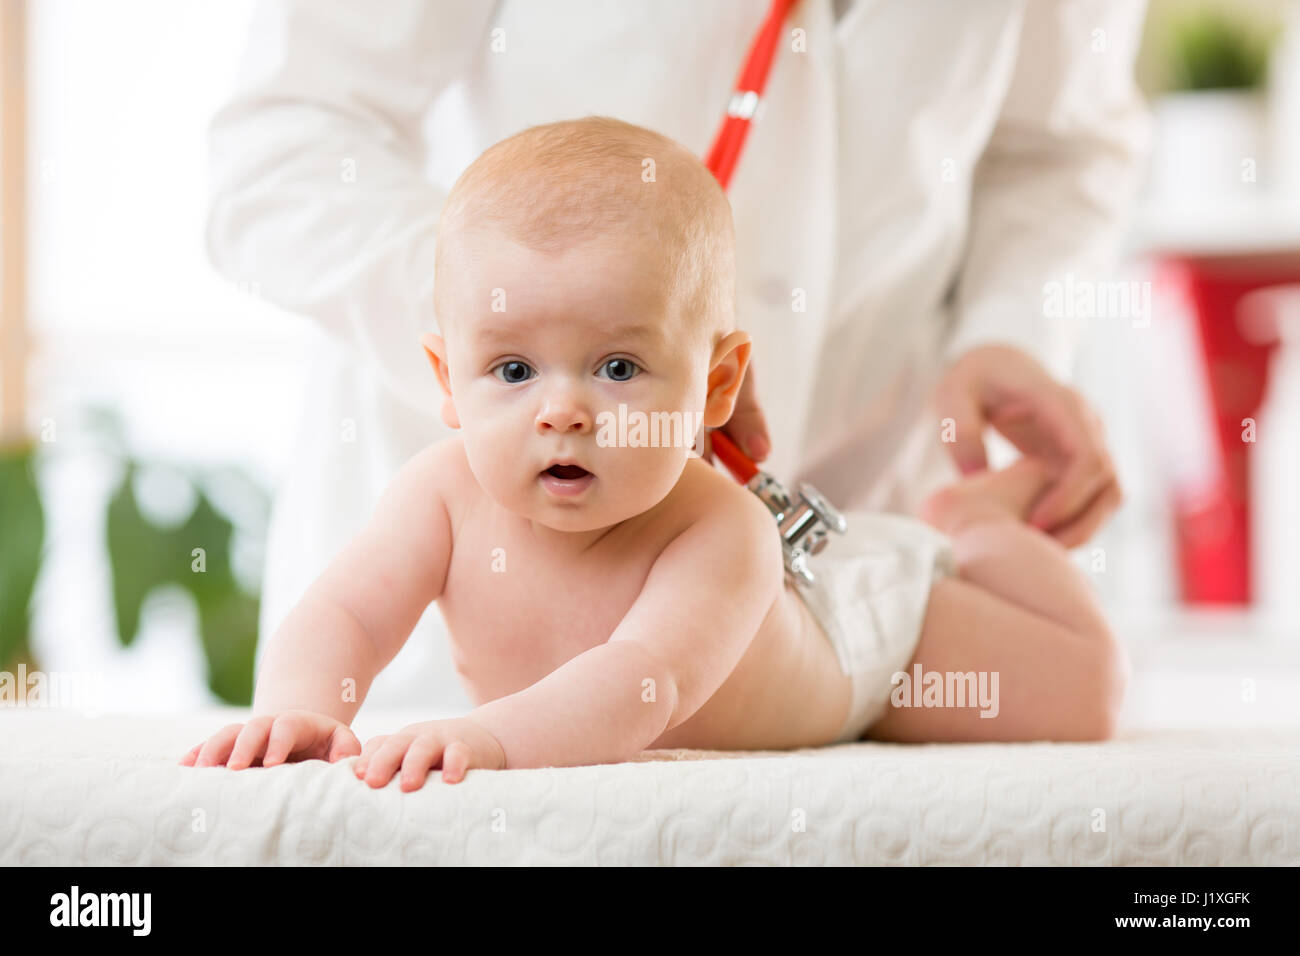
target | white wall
x=126, y=310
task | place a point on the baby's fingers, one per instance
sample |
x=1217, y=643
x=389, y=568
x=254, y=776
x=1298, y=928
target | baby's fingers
x=343, y=743
x=455, y=761
x=217, y=747
x=420, y=757
x=367, y=752
x=381, y=767
x=250, y=744
x=290, y=735
x=188, y=759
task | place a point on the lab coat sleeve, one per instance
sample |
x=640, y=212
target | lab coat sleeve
x=1060, y=169
x=319, y=198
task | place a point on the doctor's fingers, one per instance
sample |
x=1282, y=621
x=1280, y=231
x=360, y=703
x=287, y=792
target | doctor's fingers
x=1081, y=440
x=1085, y=474
x=747, y=426
x=1098, y=511
x=961, y=422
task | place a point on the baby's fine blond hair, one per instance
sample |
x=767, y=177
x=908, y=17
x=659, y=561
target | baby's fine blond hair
x=550, y=186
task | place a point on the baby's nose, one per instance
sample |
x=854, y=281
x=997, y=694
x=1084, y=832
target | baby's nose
x=563, y=413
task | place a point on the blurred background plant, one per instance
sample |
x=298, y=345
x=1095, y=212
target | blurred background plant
x=1213, y=50
x=1222, y=114
x=1193, y=45
x=22, y=524
x=183, y=540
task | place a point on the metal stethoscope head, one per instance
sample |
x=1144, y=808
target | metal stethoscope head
x=804, y=519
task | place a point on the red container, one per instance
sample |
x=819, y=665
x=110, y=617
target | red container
x=1213, y=535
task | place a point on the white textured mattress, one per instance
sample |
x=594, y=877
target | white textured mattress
x=107, y=790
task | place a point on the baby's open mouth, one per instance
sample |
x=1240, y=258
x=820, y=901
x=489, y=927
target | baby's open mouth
x=566, y=480
x=567, y=472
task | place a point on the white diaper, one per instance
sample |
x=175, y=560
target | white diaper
x=870, y=594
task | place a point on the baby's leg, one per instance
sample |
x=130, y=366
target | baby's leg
x=1018, y=608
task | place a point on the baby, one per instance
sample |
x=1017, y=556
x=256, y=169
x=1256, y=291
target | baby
x=604, y=595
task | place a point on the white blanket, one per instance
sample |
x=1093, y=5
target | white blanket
x=107, y=790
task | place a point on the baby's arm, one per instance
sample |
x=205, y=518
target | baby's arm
x=348, y=625
x=357, y=615
x=701, y=605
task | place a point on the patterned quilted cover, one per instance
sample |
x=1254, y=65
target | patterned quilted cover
x=107, y=790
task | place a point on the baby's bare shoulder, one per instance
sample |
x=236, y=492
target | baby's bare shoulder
x=435, y=480
x=711, y=491
x=732, y=514
x=445, y=454
x=442, y=465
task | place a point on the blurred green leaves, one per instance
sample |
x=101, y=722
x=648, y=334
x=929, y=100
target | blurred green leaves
x=1212, y=49
x=194, y=554
x=22, y=533
x=196, y=557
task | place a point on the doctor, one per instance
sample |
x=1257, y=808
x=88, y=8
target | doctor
x=919, y=170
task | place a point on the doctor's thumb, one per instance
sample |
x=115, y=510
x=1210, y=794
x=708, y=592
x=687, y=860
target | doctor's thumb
x=967, y=449
x=748, y=429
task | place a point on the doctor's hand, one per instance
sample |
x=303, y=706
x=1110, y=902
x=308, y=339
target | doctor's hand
x=746, y=427
x=1002, y=386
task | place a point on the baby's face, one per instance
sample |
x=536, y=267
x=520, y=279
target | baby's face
x=540, y=353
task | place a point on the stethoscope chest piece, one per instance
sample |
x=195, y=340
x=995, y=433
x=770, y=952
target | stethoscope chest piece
x=804, y=520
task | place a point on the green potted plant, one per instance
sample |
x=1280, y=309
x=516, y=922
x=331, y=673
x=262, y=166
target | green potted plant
x=1211, y=124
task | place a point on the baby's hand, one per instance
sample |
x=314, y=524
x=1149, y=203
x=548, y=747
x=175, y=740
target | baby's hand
x=456, y=744
x=274, y=738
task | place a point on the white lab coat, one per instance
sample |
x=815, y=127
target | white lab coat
x=913, y=179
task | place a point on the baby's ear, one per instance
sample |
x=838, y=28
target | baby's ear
x=436, y=349
x=727, y=368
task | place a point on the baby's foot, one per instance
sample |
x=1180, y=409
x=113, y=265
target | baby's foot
x=1009, y=493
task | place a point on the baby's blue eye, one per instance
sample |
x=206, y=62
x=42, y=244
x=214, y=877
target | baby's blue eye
x=620, y=369
x=512, y=373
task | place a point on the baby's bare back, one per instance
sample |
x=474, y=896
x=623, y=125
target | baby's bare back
x=518, y=605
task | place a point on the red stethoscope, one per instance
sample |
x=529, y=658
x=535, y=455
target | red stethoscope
x=806, y=518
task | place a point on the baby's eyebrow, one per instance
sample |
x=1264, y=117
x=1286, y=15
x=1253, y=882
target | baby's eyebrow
x=641, y=332
x=489, y=334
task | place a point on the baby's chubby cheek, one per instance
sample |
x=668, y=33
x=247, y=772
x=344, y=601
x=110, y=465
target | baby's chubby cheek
x=637, y=478
x=499, y=460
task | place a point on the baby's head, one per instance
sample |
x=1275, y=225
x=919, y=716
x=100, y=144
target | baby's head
x=585, y=291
